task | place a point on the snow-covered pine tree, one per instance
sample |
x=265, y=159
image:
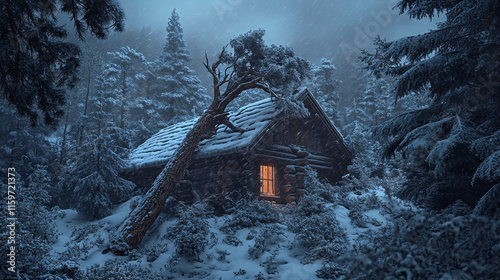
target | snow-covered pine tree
x=146, y=112
x=178, y=89
x=375, y=103
x=37, y=61
x=22, y=145
x=94, y=176
x=121, y=74
x=91, y=62
x=358, y=136
x=324, y=87
x=455, y=138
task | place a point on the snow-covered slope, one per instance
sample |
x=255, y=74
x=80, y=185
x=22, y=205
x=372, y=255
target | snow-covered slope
x=81, y=242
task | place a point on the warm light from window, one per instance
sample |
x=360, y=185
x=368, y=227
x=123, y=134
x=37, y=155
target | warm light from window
x=267, y=180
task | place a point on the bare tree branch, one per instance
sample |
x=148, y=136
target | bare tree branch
x=224, y=119
x=211, y=70
x=231, y=126
x=265, y=87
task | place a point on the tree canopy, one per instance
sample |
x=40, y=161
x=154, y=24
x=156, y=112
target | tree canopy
x=36, y=63
x=456, y=135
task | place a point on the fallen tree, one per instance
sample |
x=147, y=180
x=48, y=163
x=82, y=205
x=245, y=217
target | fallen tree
x=253, y=65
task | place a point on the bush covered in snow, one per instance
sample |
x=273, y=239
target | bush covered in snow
x=251, y=213
x=330, y=271
x=231, y=239
x=34, y=230
x=63, y=271
x=153, y=252
x=268, y=237
x=451, y=244
x=272, y=263
x=320, y=235
x=317, y=229
x=190, y=233
x=325, y=191
x=361, y=220
x=116, y=269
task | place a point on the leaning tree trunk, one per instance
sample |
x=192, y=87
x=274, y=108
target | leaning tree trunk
x=136, y=225
x=140, y=220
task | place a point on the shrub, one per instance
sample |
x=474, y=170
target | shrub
x=154, y=252
x=117, y=270
x=251, y=234
x=268, y=236
x=63, y=270
x=317, y=229
x=361, y=220
x=240, y=272
x=190, y=234
x=330, y=271
x=251, y=213
x=320, y=235
x=431, y=246
x=231, y=239
x=271, y=264
x=310, y=205
x=75, y=252
x=221, y=255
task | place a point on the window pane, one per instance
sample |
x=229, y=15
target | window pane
x=267, y=179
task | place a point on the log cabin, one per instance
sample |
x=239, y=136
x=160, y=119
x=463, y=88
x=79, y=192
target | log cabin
x=268, y=159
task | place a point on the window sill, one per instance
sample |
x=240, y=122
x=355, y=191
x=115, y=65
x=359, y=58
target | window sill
x=269, y=196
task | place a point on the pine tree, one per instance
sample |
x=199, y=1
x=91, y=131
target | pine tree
x=121, y=75
x=375, y=102
x=456, y=135
x=91, y=64
x=324, y=87
x=21, y=144
x=94, y=176
x=36, y=62
x=179, y=90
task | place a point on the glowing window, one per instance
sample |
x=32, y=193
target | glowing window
x=267, y=178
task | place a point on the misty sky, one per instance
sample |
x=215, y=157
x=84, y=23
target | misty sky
x=314, y=28
x=334, y=29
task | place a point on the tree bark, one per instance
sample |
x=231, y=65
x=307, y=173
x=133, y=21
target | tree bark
x=85, y=108
x=63, y=144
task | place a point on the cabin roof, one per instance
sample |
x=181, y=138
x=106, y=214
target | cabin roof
x=254, y=118
x=160, y=147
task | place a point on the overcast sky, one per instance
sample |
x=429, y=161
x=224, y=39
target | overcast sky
x=334, y=29
x=314, y=28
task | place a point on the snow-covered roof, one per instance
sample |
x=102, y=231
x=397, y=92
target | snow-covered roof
x=255, y=119
x=252, y=118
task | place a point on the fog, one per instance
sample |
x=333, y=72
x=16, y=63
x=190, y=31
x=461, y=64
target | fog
x=314, y=29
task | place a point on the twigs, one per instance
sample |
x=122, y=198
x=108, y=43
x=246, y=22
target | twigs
x=217, y=77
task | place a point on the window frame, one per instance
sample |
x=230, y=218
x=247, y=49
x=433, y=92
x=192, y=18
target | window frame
x=271, y=179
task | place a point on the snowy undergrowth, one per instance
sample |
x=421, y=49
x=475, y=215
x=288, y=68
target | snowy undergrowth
x=257, y=241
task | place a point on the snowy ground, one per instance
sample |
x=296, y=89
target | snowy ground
x=82, y=242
